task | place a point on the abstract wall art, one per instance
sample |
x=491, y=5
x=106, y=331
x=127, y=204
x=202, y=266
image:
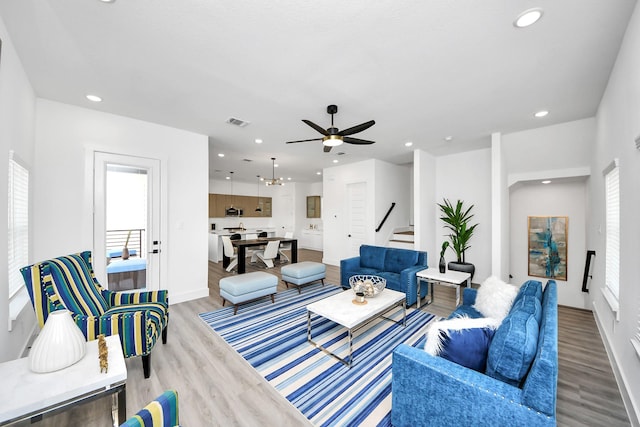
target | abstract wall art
x=548, y=246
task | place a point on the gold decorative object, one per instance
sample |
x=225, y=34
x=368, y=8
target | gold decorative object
x=103, y=354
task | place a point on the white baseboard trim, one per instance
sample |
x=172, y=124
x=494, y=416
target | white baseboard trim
x=176, y=298
x=633, y=412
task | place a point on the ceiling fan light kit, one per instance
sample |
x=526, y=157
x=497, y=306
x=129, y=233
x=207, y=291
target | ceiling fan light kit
x=333, y=136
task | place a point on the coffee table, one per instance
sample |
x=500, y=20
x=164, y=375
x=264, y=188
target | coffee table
x=340, y=309
x=450, y=278
x=26, y=395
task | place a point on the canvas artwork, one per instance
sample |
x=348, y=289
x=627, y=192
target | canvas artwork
x=548, y=246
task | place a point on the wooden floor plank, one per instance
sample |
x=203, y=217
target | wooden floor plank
x=217, y=387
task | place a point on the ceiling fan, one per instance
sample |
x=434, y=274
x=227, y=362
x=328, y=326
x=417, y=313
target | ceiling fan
x=334, y=137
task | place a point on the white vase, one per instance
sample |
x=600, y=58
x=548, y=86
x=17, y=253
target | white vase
x=59, y=344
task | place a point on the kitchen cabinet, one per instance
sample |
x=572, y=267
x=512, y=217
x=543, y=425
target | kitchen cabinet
x=313, y=206
x=219, y=202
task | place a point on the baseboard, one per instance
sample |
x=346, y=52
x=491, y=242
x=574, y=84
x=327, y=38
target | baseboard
x=632, y=411
x=176, y=297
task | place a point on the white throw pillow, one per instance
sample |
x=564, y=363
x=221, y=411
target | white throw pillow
x=494, y=298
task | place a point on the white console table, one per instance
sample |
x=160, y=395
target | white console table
x=26, y=395
x=450, y=278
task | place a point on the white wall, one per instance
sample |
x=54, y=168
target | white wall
x=555, y=199
x=392, y=185
x=17, y=117
x=424, y=199
x=617, y=127
x=335, y=182
x=66, y=137
x=466, y=176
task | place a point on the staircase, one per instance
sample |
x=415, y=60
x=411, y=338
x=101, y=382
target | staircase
x=402, y=238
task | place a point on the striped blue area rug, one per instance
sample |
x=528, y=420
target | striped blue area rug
x=273, y=339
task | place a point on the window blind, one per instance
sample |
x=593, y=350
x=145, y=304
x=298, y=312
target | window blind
x=18, y=224
x=612, y=244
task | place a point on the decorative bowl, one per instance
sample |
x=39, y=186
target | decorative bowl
x=369, y=285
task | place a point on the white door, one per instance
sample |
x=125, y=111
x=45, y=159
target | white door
x=357, y=216
x=126, y=214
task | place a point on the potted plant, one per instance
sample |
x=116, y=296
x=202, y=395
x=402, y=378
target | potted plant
x=457, y=221
x=443, y=264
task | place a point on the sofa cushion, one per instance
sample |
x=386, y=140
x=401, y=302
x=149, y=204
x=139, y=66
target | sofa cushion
x=396, y=260
x=531, y=288
x=513, y=347
x=495, y=298
x=372, y=257
x=393, y=280
x=466, y=310
x=529, y=304
x=462, y=340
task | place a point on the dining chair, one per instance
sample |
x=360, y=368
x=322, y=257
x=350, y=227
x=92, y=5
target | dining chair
x=269, y=253
x=229, y=252
x=285, y=246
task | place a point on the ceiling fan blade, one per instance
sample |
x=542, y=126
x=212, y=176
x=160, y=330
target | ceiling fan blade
x=327, y=148
x=316, y=127
x=357, y=128
x=358, y=141
x=303, y=140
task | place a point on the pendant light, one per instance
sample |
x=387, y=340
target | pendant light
x=258, y=208
x=273, y=180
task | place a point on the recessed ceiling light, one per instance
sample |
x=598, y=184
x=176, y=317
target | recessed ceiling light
x=448, y=138
x=258, y=141
x=275, y=165
x=541, y=113
x=335, y=160
x=318, y=173
x=408, y=144
x=220, y=154
x=227, y=177
x=108, y=1
x=527, y=18
x=288, y=178
x=94, y=98
x=547, y=181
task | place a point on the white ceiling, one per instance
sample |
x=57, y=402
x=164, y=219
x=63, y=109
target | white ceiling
x=422, y=69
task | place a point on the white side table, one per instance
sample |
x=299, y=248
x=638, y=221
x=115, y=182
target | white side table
x=27, y=395
x=450, y=278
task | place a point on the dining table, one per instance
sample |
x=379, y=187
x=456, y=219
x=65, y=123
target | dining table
x=242, y=246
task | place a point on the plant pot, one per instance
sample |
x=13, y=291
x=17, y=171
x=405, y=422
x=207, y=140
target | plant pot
x=443, y=265
x=465, y=267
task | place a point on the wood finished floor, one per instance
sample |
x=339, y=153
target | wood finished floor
x=217, y=387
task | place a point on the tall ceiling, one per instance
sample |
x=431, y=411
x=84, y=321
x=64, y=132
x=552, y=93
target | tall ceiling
x=422, y=69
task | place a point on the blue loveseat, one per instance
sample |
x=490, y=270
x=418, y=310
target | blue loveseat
x=431, y=390
x=397, y=266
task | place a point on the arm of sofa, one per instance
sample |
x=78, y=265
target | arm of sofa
x=346, y=265
x=409, y=282
x=469, y=296
x=434, y=391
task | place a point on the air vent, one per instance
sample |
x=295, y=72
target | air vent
x=237, y=122
x=247, y=160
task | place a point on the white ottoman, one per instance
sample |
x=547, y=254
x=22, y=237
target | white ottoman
x=247, y=287
x=303, y=273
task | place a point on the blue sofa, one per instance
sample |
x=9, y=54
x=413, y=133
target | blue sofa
x=431, y=390
x=397, y=266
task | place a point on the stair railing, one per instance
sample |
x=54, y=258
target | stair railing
x=393, y=205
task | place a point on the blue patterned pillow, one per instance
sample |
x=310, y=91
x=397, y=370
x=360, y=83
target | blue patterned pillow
x=462, y=340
